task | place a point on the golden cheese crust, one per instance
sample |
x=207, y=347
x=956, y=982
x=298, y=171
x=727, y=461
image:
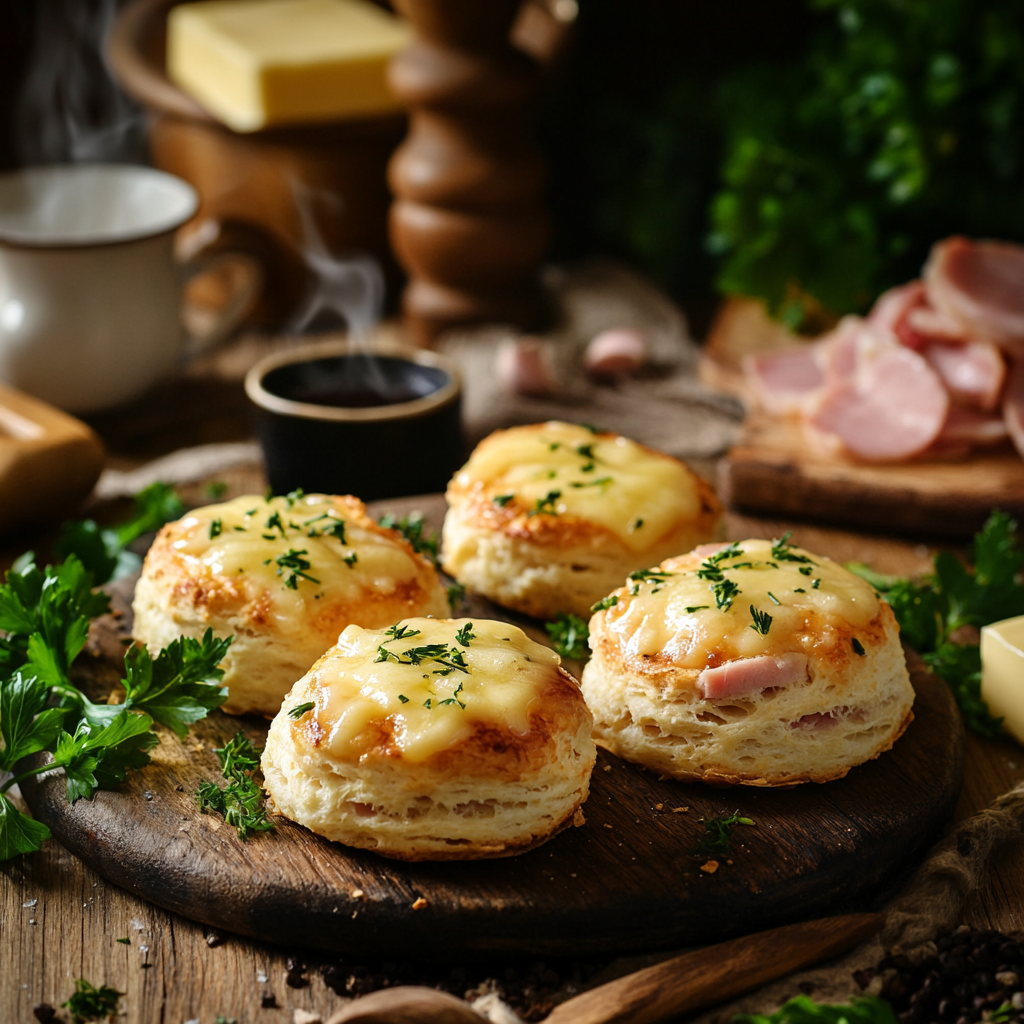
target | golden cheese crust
x=547, y=518
x=798, y=679
x=492, y=771
x=222, y=567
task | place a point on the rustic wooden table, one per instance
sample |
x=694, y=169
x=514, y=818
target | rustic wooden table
x=59, y=921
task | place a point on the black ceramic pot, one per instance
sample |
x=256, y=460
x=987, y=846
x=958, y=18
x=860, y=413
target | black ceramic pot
x=384, y=423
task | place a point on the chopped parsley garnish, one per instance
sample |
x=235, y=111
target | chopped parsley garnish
x=639, y=576
x=300, y=709
x=634, y=526
x=239, y=529
x=125, y=941
x=336, y=529
x=465, y=634
x=605, y=603
x=725, y=592
x=815, y=584
x=399, y=632
x=732, y=550
x=293, y=496
x=569, y=635
x=774, y=598
x=586, y=450
x=402, y=697
x=216, y=528
x=696, y=608
x=762, y=621
x=601, y=482
x=275, y=522
x=90, y=1004
x=501, y=500
x=454, y=698
x=717, y=832
x=858, y=647
x=295, y=565
x=241, y=800
x=546, y=506
x=426, y=703
x=799, y=590
x=411, y=528
x=451, y=659
x=553, y=446
x=782, y=550
x=350, y=559
x=806, y=570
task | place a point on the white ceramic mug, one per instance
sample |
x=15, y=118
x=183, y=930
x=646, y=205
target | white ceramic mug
x=90, y=292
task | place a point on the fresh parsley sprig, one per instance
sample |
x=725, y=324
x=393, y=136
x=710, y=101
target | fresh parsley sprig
x=241, y=800
x=89, y=1003
x=569, y=634
x=804, y=1010
x=411, y=527
x=717, y=833
x=762, y=621
x=930, y=610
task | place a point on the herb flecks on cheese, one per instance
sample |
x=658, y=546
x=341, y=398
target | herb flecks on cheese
x=435, y=680
x=565, y=469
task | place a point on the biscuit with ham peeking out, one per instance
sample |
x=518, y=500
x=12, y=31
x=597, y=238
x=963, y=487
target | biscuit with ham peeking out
x=756, y=662
x=547, y=518
x=434, y=739
x=283, y=576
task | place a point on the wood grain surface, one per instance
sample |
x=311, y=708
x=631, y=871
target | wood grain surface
x=59, y=919
x=773, y=470
x=622, y=882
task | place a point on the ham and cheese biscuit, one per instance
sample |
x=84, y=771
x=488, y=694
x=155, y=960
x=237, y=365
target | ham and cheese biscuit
x=756, y=663
x=435, y=739
x=284, y=577
x=548, y=518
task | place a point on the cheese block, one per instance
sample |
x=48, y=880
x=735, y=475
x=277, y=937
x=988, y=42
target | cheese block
x=259, y=63
x=1002, y=673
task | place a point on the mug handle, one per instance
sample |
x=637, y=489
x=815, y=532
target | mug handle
x=212, y=249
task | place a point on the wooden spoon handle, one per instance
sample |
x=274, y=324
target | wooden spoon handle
x=716, y=974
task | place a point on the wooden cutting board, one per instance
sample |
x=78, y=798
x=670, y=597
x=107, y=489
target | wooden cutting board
x=623, y=881
x=772, y=469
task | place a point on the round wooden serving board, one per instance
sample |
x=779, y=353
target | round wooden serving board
x=623, y=881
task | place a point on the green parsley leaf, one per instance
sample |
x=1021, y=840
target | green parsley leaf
x=402, y=697
x=762, y=621
x=350, y=560
x=605, y=603
x=501, y=500
x=725, y=592
x=411, y=528
x=858, y=647
x=92, y=1004
x=216, y=528
x=696, y=608
x=634, y=526
x=803, y=1010
x=125, y=941
x=18, y=832
x=717, y=832
x=782, y=551
x=300, y=709
x=465, y=634
x=295, y=565
x=569, y=634
x=241, y=800
x=546, y=506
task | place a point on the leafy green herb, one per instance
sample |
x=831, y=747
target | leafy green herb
x=92, y=1004
x=717, y=832
x=799, y=590
x=216, y=528
x=815, y=584
x=400, y=632
x=546, y=506
x=300, y=709
x=605, y=603
x=569, y=635
x=782, y=550
x=465, y=634
x=696, y=608
x=806, y=570
x=454, y=698
x=124, y=941
x=931, y=610
x=241, y=800
x=762, y=621
x=635, y=525
x=725, y=592
x=411, y=528
x=295, y=565
x=775, y=600
x=104, y=551
x=804, y=1010
x=350, y=559
x=603, y=482
x=641, y=576
x=501, y=500
x=858, y=647
x=402, y=697
x=456, y=595
x=336, y=529
x=450, y=659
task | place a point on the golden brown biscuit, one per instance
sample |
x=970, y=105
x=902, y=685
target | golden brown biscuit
x=436, y=739
x=756, y=663
x=548, y=518
x=284, y=577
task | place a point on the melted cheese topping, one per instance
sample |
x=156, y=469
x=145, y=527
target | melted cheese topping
x=676, y=613
x=499, y=672
x=301, y=551
x=637, y=494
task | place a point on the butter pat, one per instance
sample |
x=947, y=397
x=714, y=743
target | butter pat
x=260, y=63
x=1002, y=673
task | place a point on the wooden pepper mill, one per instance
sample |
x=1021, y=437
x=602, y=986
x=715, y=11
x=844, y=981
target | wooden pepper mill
x=467, y=223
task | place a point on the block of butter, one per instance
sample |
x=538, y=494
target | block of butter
x=1002, y=673
x=260, y=63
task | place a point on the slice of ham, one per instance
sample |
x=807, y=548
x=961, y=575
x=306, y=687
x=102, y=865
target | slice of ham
x=784, y=381
x=840, y=352
x=1013, y=406
x=925, y=323
x=889, y=313
x=893, y=408
x=979, y=285
x=972, y=427
x=973, y=373
x=749, y=676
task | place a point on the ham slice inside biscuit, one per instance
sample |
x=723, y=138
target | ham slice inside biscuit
x=749, y=676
